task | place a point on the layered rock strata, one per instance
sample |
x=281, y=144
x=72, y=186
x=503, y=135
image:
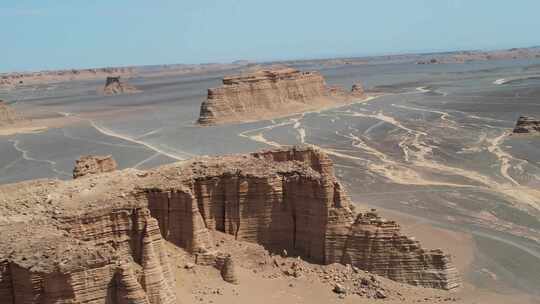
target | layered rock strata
x=377, y=245
x=113, y=86
x=265, y=94
x=103, y=256
x=227, y=268
x=527, y=124
x=93, y=164
x=100, y=238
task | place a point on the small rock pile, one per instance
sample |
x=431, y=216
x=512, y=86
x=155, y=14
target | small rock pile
x=93, y=164
x=343, y=280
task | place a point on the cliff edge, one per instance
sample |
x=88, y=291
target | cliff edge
x=102, y=237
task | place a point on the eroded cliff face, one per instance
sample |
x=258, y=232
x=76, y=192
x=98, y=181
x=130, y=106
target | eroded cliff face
x=100, y=239
x=378, y=246
x=290, y=200
x=97, y=255
x=265, y=94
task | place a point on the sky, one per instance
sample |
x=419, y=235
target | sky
x=58, y=34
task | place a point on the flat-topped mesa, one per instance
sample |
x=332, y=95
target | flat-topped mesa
x=265, y=94
x=7, y=115
x=527, y=124
x=93, y=164
x=113, y=86
x=103, y=235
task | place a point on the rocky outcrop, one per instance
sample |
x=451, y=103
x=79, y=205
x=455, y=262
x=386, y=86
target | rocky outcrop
x=357, y=90
x=91, y=257
x=290, y=200
x=101, y=238
x=376, y=245
x=7, y=115
x=265, y=94
x=227, y=268
x=113, y=86
x=93, y=164
x=527, y=124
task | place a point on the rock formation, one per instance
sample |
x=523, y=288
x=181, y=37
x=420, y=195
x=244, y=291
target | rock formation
x=336, y=90
x=7, y=115
x=93, y=164
x=376, y=245
x=226, y=266
x=113, y=86
x=265, y=94
x=101, y=238
x=357, y=90
x=91, y=257
x=527, y=124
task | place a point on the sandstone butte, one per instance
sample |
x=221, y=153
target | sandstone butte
x=100, y=238
x=527, y=124
x=266, y=94
x=113, y=86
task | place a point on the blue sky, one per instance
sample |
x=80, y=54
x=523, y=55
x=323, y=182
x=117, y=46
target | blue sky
x=52, y=34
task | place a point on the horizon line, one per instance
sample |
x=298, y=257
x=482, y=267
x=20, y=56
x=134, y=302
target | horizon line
x=425, y=52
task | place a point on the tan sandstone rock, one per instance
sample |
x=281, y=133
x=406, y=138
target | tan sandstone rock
x=378, y=246
x=93, y=164
x=357, y=90
x=113, y=86
x=76, y=242
x=265, y=94
x=226, y=266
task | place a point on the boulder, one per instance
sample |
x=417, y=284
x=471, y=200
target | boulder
x=226, y=265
